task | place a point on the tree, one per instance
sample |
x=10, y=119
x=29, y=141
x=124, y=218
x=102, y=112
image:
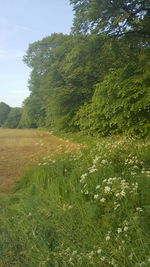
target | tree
x=120, y=103
x=4, y=111
x=45, y=75
x=90, y=81
x=13, y=118
x=113, y=17
x=32, y=114
x=64, y=71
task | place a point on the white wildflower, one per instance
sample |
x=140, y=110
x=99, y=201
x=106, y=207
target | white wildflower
x=107, y=189
x=133, y=173
x=74, y=252
x=92, y=252
x=142, y=263
x=96, y=196
x=107, y=238
x=103, y=200
x=82, y=180
x=122, y=193
x=94, y=166
x=113, y=261
x=99, y=251
x=116, y=206
x=119, y=230
x=97, y=187
x=139, y=209
x=125, y=228
x=83, y=175
x=104, y=161
x=92, y=170
x=96, y=159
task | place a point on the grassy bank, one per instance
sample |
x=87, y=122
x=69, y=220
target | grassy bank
x=90, y=208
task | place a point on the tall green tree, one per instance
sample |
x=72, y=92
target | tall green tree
x=96, y=79
x=114, y=17
x=44, y=57
x=121, y=103
x=13, y=118
x=64, y=71
x=4, y=111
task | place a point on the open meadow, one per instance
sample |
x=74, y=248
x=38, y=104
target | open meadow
x=21, y=148
x=83, y=207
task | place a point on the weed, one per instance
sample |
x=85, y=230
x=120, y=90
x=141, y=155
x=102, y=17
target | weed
x=89, y=208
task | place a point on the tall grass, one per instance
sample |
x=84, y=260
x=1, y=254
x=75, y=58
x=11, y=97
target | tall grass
x=91, y=208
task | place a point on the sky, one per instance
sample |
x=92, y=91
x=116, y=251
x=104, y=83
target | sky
x=23, y=22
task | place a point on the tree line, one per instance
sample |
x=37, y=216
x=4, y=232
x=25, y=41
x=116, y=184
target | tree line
x=97, y=78
x=9, y=117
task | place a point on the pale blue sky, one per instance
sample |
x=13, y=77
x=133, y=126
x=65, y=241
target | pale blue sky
x=23, y=22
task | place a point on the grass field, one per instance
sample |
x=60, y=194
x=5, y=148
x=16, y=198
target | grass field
x=21, y=148
x=82, y=208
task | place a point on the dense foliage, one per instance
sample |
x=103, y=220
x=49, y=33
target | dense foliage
x=64, y=71
x=128, y=114
x=9, y=117
x=116, y=17
x=13, y=118
x=97, y=79
x=4, y=111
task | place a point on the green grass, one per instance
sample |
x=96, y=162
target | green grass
x=87, y=209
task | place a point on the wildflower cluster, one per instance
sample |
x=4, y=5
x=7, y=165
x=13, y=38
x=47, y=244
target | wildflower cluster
x=145, y=172
x=66, y=207
x=97, y=256
x=76, y=257
x=93, y=168
x=136, y=166
x=46, y=161
x=114, y=189
x=133, y=164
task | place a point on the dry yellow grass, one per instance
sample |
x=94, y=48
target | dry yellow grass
x=20, y=148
